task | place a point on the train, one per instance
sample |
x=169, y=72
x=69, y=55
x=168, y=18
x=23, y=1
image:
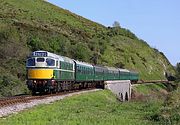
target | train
x=48, y=73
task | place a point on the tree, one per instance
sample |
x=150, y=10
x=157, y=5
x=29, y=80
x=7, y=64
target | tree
x=178, y=68
x=80, y=51
x=178, y=71
x=116, y=24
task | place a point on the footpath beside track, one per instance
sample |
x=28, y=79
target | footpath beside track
x=16, y=104
x=7, y=101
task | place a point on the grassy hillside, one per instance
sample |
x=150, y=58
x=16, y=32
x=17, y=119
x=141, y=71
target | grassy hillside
x=27, y=25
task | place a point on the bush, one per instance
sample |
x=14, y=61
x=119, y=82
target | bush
x=9, y=86
x=178, y=72
x=36, y=43
x=80, y=51
x=170, y=113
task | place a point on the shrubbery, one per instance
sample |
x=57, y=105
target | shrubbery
x=10, y=86
x=178, y=72
x=170, y=112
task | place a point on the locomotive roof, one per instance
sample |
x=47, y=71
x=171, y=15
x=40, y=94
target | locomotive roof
x=124, y=70
x=42, y=53
x=99, y=66
x=83, y=63
x=66, y=59
x=134, y=72
x=112, y=68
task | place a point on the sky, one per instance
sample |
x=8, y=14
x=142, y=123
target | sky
x=155, y=21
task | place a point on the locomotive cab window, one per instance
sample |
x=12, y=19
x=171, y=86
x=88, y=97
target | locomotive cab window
x=50, y=62
x=31, y=62
x=40, y=60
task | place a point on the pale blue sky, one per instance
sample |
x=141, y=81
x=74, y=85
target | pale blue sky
x=155, y=21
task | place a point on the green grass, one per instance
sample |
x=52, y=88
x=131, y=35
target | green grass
x=149, y=88
x=101, y=108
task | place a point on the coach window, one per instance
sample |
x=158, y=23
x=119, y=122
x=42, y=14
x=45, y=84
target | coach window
x=82, y=70
x=79, y=69
x=67, y=66
x=62, y=66
x=71, y=67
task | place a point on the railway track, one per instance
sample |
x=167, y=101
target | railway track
x=152, y=81
x=8, y=101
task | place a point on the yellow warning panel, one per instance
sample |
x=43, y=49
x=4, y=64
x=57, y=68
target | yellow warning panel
x=40, y=73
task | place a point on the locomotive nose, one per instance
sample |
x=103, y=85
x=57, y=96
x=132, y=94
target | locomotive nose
x=40, y=73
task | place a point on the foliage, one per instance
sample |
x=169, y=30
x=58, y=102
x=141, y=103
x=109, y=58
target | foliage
x=170, y=112
x=81, y=52
x=167, y=113
x=10, y=86
x=116, y=24
x=114, y=31
x=178, y=72
x=36, y=44
x=178, y=68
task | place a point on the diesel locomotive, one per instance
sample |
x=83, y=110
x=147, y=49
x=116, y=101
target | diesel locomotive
x=48, y=72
